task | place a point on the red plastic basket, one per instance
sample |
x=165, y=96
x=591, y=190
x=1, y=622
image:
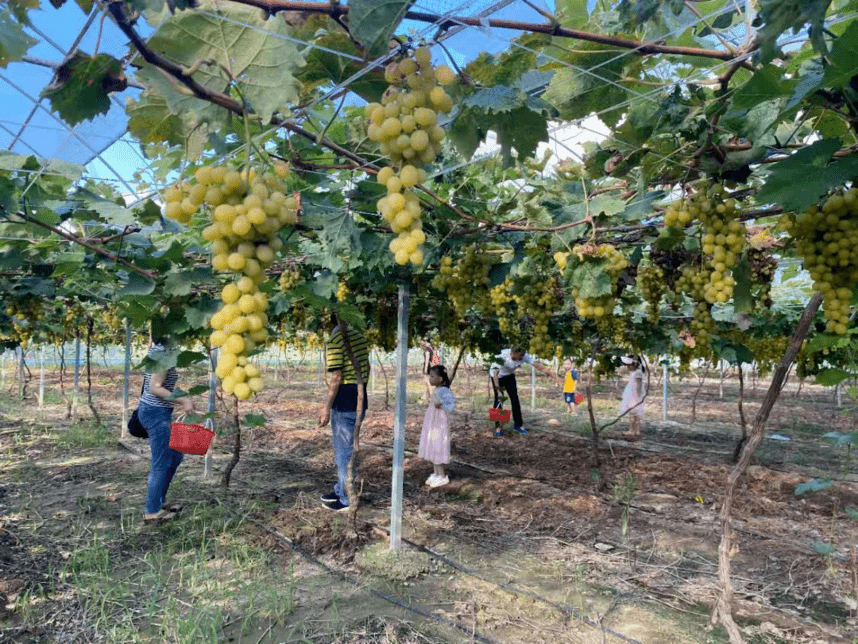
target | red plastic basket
x=190, y=439
x=500, y=415
x=579, y=398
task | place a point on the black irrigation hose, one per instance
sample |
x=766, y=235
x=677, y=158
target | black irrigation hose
x=344, y=577
x=566, y=610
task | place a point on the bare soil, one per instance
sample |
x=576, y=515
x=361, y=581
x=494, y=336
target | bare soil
x=530, y=541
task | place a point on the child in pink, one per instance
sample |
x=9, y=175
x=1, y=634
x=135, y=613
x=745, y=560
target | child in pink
x=633, y=398
x=435, y=437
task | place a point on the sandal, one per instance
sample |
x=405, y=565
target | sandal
x=159, y=517
x=629, y=436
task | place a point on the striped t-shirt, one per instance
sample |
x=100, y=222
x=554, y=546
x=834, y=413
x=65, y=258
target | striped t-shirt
x=152, y=400
x=338, y=360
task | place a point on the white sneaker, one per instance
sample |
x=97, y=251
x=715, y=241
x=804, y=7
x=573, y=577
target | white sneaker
x=439, y=481
x=432, y=479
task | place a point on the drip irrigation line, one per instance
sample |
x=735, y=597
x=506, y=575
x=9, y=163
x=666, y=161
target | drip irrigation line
x=351, y=580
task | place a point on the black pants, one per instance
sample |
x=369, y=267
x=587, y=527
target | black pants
x=508, y=384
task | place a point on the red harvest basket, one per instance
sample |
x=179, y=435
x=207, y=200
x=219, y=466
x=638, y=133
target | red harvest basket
x=190, y=439
x=499, y=415
x=579, y=398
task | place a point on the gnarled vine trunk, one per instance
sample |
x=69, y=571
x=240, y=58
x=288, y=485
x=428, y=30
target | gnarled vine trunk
x=723, y=611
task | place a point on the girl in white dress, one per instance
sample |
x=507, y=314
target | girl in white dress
x=633, y=399
x=435, y=437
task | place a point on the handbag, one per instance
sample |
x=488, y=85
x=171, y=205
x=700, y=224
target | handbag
x=579, y=398
x=499, y=415
x=135, y=427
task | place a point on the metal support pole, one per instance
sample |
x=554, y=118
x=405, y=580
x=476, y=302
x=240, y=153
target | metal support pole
x=3, y=373
x=399, y=419
x=21, y=354
x=42, y=377
x=721, y=382
x=319, y=370
x=837, y=393
x=210, y=410
x=123, y=431
x=664, y=393
x=76, y=377
x=532, y=387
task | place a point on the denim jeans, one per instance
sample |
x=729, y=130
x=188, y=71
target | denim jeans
x=165, y=461
x=343, y=433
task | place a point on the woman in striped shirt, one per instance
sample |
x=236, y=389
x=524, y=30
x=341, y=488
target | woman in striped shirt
x=155, y=412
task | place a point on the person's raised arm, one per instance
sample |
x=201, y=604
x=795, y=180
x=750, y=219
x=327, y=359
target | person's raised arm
x=547, y=371
x=333, y=389
x=157, y=388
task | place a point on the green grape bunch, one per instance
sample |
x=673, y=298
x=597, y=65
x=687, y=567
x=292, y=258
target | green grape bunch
x=405, y=126
x=652, y=286
x=723, y=239
x=466, y=282
x=246, y=211
x=824, y=236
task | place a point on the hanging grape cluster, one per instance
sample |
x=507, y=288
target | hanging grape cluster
x=25, y=316
x=289, y=279
x=405, y=125
x=531, y=299
x=342, y=292
x=824, y=236
x=670, y=262
x=598, y=307
x=466, y=282
x=763, y=267
x=723, y=238
x=651, y=282
x=246, y=211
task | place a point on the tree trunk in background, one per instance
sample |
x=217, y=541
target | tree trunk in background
x=89, y=323
x=723, y=610
x=697, y=393
x=236, y=447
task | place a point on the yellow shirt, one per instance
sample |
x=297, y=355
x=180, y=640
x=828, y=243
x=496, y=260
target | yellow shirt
x=569, y=384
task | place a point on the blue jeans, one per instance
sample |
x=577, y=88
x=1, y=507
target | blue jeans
x=343, y=433
x=165, y=461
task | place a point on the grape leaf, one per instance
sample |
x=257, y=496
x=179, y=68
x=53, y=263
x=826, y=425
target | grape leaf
x=800, y=180
x=198, y=316
x=823, y=548
x=151, y=121
x=577, y=93
x=813, y=485
x=20, y=9
x=831, y=377
x=592, y=280
x=328, y=67
x=82, y=85
x=844, y=53
x=261, y=63
x=255, y=420
x=137, y=284
x=496, y=99
x=372, y=22
x=826, y=341
x=742, y=300
x=779, y=15
x=14, y=42
x=766, y=83
x=840, y=440
x=572, y=14
x=521, y=129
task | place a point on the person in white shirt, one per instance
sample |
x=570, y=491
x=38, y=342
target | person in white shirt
x=503, y=379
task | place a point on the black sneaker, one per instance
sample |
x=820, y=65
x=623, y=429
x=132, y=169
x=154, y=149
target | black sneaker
x=329, y=498
x=336, y=506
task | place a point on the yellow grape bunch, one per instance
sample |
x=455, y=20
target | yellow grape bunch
x=247, y=211
x=825, y=237
x=405, y=125
x=466, y=282
x=596, y=307
x=724, y=235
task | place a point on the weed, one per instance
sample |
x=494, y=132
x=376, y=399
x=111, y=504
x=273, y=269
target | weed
x=624, y=494
x=84, y=434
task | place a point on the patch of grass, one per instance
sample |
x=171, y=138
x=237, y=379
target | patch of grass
x=180, y=581
x=85, y=434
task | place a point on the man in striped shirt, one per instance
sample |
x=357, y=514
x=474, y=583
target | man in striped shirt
x=341, y=406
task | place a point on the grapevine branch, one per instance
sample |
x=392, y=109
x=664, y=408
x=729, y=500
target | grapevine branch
x=77, y=240
x=551, y=28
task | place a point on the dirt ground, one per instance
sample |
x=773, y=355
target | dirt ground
x=530, y=541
